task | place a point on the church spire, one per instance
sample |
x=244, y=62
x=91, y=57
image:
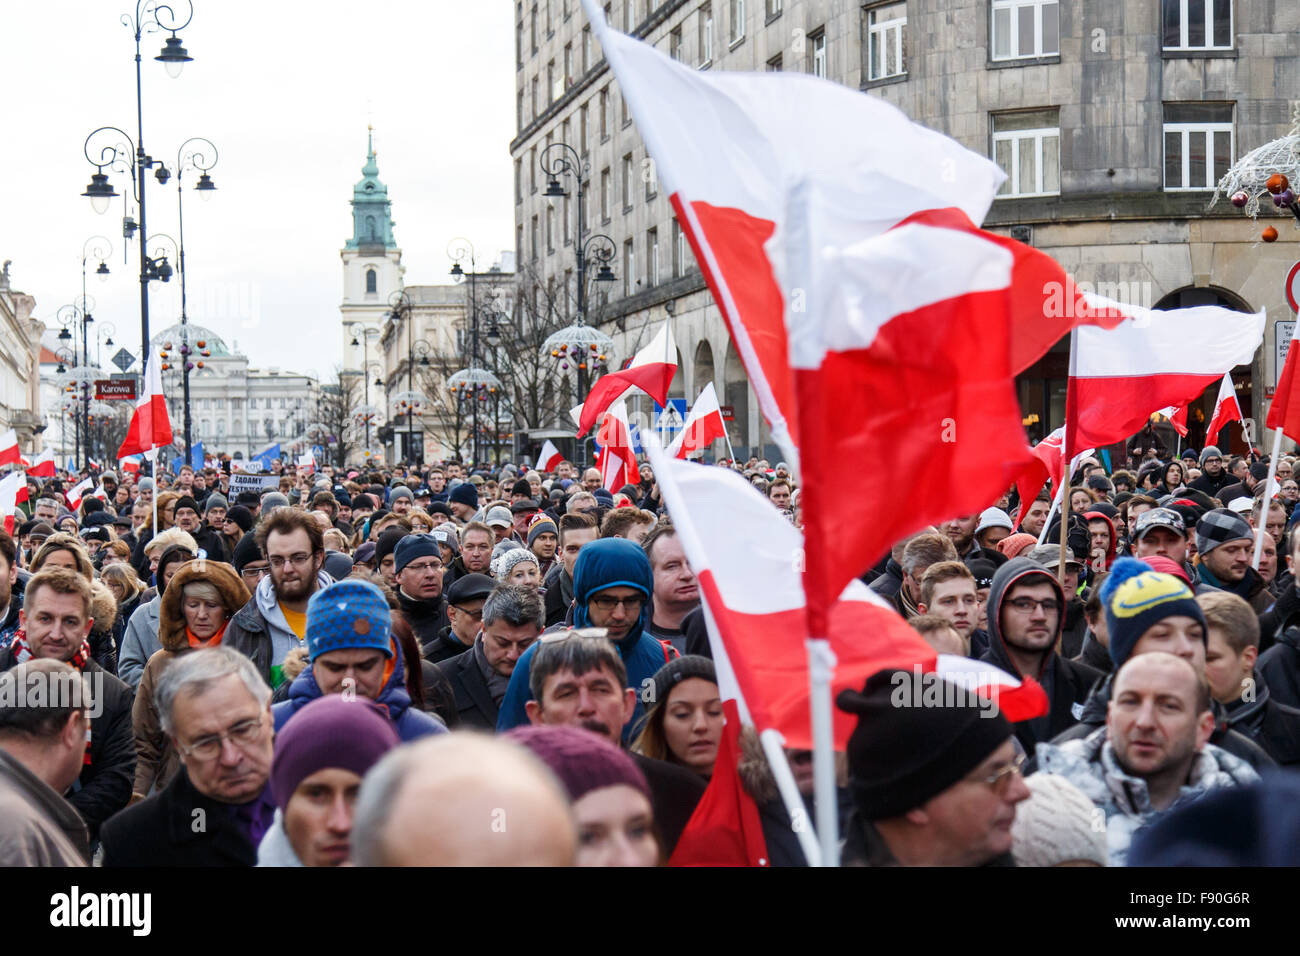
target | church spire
x=372, y=222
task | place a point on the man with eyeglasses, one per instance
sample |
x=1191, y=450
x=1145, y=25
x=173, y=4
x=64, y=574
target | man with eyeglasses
x=215, y=707
x=933, y=784
x=1154, y=752
x=274, y=621
x=1025, y=621
x=417, y=561
x=1214, y=477
x=465, y=613
x=612, y=588
x=512, y=620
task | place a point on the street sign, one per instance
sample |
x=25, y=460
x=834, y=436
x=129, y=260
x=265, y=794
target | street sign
x=123, y=359
x=1282, y=331
x=115, y=389
x=1293, y=287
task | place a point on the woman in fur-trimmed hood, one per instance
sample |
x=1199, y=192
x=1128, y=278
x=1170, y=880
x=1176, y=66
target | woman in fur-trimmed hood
x=209, y=586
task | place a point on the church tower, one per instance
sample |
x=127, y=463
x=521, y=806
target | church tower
x=372, y=263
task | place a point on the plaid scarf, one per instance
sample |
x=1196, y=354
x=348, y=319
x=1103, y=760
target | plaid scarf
x=23, y=652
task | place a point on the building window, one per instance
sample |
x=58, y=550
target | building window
x=773, y=9
x=586, y=49
x=519, y=44
x=567, y=227
x=547, y=6
x=533, y=96
x=550, y=229
x=623, y=107
x=219, y=404
x=679, y=250
x=629, y=267
x=372, y=281
x=886, y=53
x=706, y=34
x=568, y=65
x=550, y=83
x=533, y=236
x=1025, y=28
x=532, y=27
x=519, y=181
x=774, y=64
x=675, y=43
x=1197, y=24
x=818, y=40
x=604, y=114
x=519, y=242
x=583, y=141
x=736, y=28
x=604, y=194
x=532, y=170
x=1198, y=145
x=519, y=109
x=627, y=182
x=1027, y=146
x=651, y=257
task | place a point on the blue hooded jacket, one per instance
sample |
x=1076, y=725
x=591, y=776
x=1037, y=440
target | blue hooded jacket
x=410, y=722
x=605, y=563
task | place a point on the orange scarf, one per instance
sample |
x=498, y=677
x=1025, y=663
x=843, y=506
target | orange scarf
x=212, y=641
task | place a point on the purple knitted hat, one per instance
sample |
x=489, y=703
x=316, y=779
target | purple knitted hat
x=582, y=760
x=331, y=731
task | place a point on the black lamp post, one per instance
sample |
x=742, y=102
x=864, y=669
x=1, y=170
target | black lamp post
x=580, y=345
x=201, y=156
x=361, y=336
x=472, y=378
x=411, y=400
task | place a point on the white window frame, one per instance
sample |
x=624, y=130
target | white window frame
x=1207, y=130
x=629, y=266
x=1209, y=26
x=652, y=257
x=628, y=191
x=706, y=36
x=819, y=54
x=895, y=26
x=1013, y=174
x=736, y=28
x=1014, y=44
x=679, y=250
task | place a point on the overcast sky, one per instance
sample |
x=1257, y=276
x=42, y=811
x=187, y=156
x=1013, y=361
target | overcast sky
x=285, y=90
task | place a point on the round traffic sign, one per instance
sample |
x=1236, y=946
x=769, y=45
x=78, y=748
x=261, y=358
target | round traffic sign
x=1293, y=288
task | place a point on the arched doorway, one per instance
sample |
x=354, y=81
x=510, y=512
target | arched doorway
x=703, y=367
x=735, y=394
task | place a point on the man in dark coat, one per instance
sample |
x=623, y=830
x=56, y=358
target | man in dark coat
x=465, y=613
x=215, y=708
x=1025, y=617
x=56, y=624
x=1214, y=477
x=418, y=566
x=512, y=621
x=1279, y=667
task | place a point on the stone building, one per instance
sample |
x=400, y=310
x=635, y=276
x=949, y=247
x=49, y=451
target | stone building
x=20, y=379
x=1114, y=120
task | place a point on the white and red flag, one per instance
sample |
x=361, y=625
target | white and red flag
x=1177, y=417
x=131, y=463
x=13, y=489
x=150, y=426
x=651, y=371
x=617, y=459
x=44, y=466
x=549, y=458
x=9, y=454
x=75, y=494
x=1226, y=409
x=703, y=426
x=1047, y=468
x=1152, y=360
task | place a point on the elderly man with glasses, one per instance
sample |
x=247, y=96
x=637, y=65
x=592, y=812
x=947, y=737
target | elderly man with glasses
x=215, y=707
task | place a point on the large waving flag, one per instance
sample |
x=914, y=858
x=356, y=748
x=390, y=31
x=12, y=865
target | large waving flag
x=704, y=425
x=1151, y=360
x=44, y=466
x=9, y=454
x=13, y=488
x=78, y=491
x=150, y=426
x=1226, y=409
x=651, y=370
x=549, y=458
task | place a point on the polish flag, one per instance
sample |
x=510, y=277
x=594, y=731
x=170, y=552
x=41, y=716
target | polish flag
x=9, y=454
x=1284, y=413
x=131, y=464
x=75, y=495
x=1152, y=360
x=747, y=558
x=617, y=460
x=875, y=320
x=13, y=489
x=1226, y=409
x=550, y=457
x=44, y=467
x=1048, y=468
x=651, y=371
x=150, y=426
x=703, y=426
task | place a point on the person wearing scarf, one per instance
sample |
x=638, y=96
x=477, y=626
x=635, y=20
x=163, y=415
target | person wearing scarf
x=195, y=611
x=52, y=599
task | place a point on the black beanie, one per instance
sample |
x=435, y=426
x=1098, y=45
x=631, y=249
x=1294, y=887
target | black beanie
x=673, y=673
x=386, y=543
x=246, y=552
x=240, y=516
x=908, y=748
x=186, y=502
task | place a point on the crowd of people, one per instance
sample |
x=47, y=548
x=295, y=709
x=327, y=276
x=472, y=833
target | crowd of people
x=382, y=667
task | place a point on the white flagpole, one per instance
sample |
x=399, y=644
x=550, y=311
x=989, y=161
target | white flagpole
x=153, y=473
x=1056, y=504
x=1263, y=510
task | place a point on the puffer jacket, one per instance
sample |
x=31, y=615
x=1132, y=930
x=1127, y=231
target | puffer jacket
x=156, y=761
x=140, y=642
x=1091, y=765
x=1066, y=682
x=411, y=722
